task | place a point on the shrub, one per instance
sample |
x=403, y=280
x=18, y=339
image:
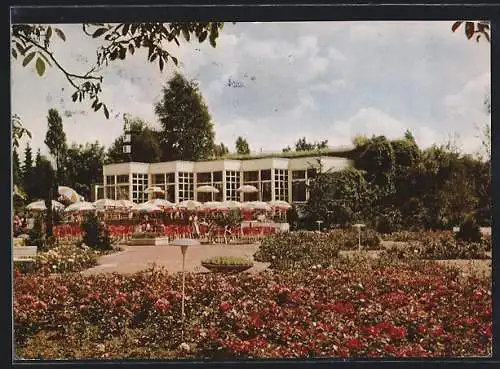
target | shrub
x=385, y=225
x=95, y=235
x=469, y=231
x=297, y=250
x=37, y=235
x=228, y=260
x=348, y=239
x=61, y=259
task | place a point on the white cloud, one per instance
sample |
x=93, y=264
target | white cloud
x=321, y=80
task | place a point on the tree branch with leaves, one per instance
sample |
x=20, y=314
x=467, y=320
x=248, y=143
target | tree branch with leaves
x=33, y=42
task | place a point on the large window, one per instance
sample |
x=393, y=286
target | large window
x=265, y=187
x=166, y=181
x=186, y=186
x=281, y=184
x=209, y=179
x=232, y=184
x=300, y=180
x=139, y=184
x=251, y=178
x=117, y=187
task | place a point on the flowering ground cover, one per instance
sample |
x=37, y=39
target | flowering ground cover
x=354, y=308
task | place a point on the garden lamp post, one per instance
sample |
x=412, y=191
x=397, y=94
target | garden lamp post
x=359, y=226
x=319, y=224
x=184, y=243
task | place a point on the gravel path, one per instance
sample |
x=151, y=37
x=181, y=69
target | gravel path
x=135, y=258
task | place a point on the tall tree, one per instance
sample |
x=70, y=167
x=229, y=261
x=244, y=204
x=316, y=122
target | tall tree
x=220, y=150
x=114, y=42
x=303, y=145
x=84, y=167
x=18, y=130
x=145, y=144
x=188, y=133
x=55, y=139
x=46, y=188
x=242, y=147
x=27, y=171
x=16, y=168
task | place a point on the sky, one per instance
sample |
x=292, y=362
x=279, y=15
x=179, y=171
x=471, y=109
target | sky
x=319, y=80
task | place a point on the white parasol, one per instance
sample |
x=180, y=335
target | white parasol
x=105, y=204
x=248, y=189
x=280, y=204
x=81, y=206
x=154, y=190
x=162, y=203
x=124, y=204
x=40, y=205
x=189, y=205
x=207, y=189
x=69, y=194
x=256, y=205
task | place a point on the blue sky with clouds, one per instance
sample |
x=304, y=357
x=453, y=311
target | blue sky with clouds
x=321, y=80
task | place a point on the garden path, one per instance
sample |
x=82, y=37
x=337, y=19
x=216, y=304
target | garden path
x=135, y=258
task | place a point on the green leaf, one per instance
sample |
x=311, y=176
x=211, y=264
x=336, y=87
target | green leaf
x=469, y=29
x=99, y=32
x=126, y=27
x=174, y=59
x=74, y=96
x=122, y=53
x=203, y=36
x=106, y=112
x=48, y=34
x=28, y=58
x=98, y=106
x=45, y=58
x=60, y=34
x=14, y=53
x=455, y=26
x=153, y=57
x=185, y=33
x=40, y=66
x=161, y=63
x=131, y=49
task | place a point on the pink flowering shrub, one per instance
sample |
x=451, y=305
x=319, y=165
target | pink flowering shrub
x=351, y=309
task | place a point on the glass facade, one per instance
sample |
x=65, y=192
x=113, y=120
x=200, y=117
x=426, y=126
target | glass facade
x=139, y=184
x=186, y=186
x=281, y=184
x=271, y=184
x=232, y=185
x=166, y=181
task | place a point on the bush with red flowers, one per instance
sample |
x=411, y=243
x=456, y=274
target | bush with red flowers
x=354, y=308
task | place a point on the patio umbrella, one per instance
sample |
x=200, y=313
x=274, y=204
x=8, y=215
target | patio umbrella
x=207, y=189
x=161, y=203
x=81, y=206
x=124, y=204
x=105, y=204
x=69, y=194
x=149, y=208
x=189, y=205
x=248, y=189
x=231, y=204
x=256, y=205
x=153, y=190
x=212, y=205
x=40, y=205
x=280, y=204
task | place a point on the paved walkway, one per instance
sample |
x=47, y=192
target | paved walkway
x=135, y=258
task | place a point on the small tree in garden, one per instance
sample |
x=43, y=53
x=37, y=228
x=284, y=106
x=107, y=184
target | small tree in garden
x=95, y=235
x=469, y=231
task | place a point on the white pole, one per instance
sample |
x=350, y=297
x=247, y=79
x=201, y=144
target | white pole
x=183, y=250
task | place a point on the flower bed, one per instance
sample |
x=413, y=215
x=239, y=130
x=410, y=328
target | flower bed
x=227, y=264
x=354, y=309
x=62, y=259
